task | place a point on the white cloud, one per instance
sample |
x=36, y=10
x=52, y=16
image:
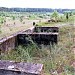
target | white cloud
x=38, y=3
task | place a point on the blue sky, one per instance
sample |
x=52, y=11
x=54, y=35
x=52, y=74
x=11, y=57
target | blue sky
x=38, y=3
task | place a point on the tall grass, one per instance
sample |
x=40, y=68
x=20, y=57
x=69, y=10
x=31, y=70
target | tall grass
x=56, y=58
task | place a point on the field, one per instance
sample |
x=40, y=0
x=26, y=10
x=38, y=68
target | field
x=58, y=59
x=12, y=22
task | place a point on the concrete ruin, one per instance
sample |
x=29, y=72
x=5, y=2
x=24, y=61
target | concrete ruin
x=39, y=35
x=8, y=43
x=20, y=68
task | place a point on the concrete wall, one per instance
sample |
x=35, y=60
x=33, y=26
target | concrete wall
x=46, y=35
x=20, y=68
x=9, y=72
x=37, y=38
x=46, y=29
x=8, y=44
x=40, y=35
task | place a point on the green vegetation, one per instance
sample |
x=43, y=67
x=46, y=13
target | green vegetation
x=0, y=28
x=1, y=20
x=55, y=15
x=13, y=17
x=55, y=58
x=57, y=19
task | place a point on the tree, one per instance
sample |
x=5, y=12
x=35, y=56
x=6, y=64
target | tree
x=55, y=15
x=67, y=16
x=0, y=28
x=71, y=13
x=1, y=20
x=21, y=18
x=13, y=17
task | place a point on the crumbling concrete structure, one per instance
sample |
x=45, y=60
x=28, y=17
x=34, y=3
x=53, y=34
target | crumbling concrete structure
x=8, y=43
x=20, y=68
x=39, y=35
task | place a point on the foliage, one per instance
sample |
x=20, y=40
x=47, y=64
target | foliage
x=0, y=28
x=33, y=9
x=1, y=20
x=55, y=15
x=13, y=17
x=20, y=54
x=21, y=18
x=54, y=57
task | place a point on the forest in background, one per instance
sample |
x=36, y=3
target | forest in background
x=33, y=9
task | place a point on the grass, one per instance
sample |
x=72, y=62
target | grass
x=55, y=58
x=63, y=21
x=8, y=30
x=32, y=17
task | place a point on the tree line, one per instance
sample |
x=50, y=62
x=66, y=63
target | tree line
x=33, y=10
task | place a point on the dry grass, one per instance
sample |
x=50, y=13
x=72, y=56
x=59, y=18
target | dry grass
x=62, y=50
x=11, y=28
